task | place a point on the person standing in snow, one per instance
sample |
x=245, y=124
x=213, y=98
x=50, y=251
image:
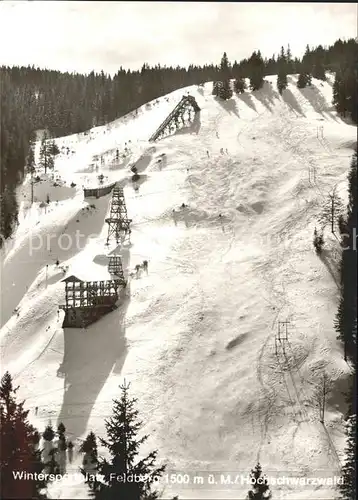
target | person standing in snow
x=145, y=266
x=207, y=152
x=174, y=217
x=217, y=134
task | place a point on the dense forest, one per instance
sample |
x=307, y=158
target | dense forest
x=66, y=103
x=346, y=325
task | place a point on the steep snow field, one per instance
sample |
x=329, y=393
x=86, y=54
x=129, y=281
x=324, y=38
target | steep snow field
x=196, y=336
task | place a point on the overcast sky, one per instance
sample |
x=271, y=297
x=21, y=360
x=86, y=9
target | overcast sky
x=81, y=36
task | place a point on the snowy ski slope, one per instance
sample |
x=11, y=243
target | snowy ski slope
x=196, y=337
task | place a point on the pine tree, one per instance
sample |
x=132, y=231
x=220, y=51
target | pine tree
x=282, y=71
x=50, y=161
x=339, y=325
x=89, y=448
x=256, y=68
x=50, y=451
x=30, y=160
x=339, y=95
x=348, y=489
x=351, y=86
x=53, y=148
x=318, y=241
x=307, y=64
x=290, y=62
x=305, y=75
x=345, y=95
x=48, y=433
x=281, y=80
x=36, y=439
x=46, y=157
x=62, y=444
x=61, y=447
x=52, y=465
x=239, y=85
x=44, y=153
x=225, y=92
x=17, y=446
x=332, y=209
x=61, y=429
x=225, y=67
x=302, y=81
x=70, y=447
x=342, y=225
x=260, y=488
x=8, y=211
x=123, y=446
x=318, y=69
x=216, y=88
x=346, y=318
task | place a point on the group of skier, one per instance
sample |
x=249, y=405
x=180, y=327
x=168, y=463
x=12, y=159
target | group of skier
x=221, y=151
x=144, y=266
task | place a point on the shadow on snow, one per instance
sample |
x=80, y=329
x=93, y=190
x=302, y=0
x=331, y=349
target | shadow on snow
x=247, y=99
x=318, y=101
x=90, y=356
x=292, y=102
x=192, y=128
x=230, y=106
x=266, y=95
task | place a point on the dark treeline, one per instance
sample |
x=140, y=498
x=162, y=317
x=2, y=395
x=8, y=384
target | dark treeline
x=346, y=319
x=346, y=324
x=66, y=103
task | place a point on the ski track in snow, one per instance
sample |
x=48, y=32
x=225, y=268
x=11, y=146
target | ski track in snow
x=196, y=336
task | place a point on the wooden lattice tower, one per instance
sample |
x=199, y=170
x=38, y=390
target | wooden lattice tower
x=115, y=268
x=182, y=111
x=118, y=222
x=87, y=301
x=89, y=293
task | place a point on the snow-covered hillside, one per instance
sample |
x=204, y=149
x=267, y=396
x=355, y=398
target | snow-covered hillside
x=196, y=336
